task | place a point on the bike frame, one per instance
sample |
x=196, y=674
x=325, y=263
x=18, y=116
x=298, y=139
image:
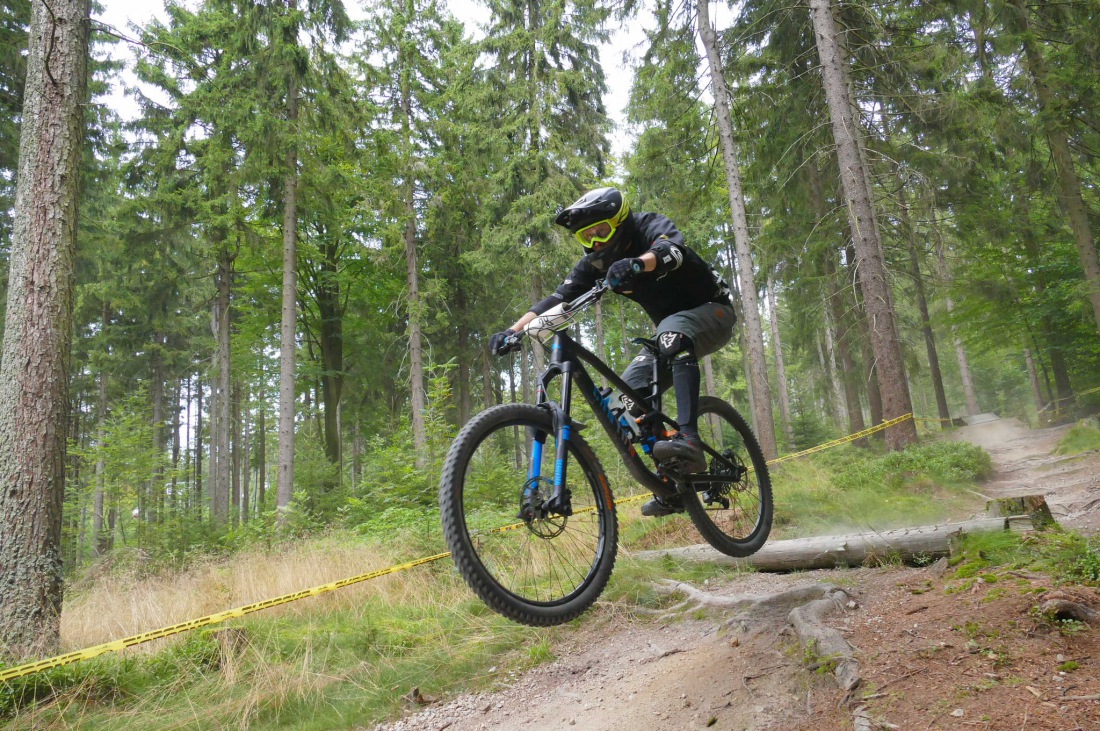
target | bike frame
x=568, y=359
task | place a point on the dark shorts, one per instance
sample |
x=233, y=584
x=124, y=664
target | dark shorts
x=709, y=326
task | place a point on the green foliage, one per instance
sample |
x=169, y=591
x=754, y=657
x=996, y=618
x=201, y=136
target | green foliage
x=1080, y=438
x=1065, y=555
x=861, y=487
x=945, y=462
x=91, y=681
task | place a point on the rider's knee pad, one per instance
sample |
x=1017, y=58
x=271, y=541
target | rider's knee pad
x=677, y=348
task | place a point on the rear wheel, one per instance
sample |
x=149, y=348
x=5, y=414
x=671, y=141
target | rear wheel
x=528, y=561
x=733, y=514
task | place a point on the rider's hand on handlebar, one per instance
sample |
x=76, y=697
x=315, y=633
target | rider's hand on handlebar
x=622, y=272
x=500, y=345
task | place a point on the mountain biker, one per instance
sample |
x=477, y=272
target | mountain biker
x=643, y=257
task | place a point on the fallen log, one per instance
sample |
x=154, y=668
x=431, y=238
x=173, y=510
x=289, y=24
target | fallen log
x=914, y=546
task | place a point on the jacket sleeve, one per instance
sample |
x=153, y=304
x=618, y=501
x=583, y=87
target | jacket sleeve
x=580, y=280
x=664, y=240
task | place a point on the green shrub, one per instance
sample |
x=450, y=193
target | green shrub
x=942, y=462
x=1081, y=438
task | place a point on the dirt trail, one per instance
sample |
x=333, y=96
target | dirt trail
x=936, y=652
x=1025, y=466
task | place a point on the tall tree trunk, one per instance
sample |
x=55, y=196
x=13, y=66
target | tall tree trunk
x=1033, y=378
x=261, y=456
x=601, y=347
x=711, y=390
x=197, y=497
x=1054, y=124
x=175, y=431
x=836, y=310
x=34, y=367
x=758, y=370
x=849, y=370
x=418, y=398
x=832, y=369
x=99, y=540
x=235, y=477
x=221, y=418
x=332, y=348
x=288, y=347
x=246, y=458
x=925, y=318
x=885, y=341
x=155, y=497
x=780, y=367
x=944, y=272
x=538, y=358
x=356, y=453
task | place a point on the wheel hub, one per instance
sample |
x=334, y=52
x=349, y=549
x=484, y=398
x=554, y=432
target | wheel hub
x=535, y=510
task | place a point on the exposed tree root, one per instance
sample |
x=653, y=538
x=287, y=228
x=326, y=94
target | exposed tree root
x=1061, y=606
x=806, y=608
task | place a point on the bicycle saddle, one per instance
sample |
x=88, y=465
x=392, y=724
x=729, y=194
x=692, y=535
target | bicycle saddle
x=650, y=346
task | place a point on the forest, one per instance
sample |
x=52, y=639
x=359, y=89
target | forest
x=281, y=278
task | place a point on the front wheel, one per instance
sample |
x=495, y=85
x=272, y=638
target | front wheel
x=732, y=507
x=533, y=562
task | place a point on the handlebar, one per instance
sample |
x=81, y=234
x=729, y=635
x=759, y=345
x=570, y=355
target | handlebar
x=550, y=320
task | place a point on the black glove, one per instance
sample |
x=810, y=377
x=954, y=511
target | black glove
x=498, y=344
x=622, y=272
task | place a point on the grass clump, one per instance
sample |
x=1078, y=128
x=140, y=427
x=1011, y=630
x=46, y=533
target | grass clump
x=1066, y=556
x=866, y=489
x=1080, y=438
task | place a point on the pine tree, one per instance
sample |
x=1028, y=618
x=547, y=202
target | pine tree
x=34, y=369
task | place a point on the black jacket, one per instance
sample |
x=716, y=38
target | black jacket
x=682, y=280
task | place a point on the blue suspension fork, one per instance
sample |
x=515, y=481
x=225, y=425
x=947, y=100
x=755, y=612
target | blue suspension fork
x=559, y=500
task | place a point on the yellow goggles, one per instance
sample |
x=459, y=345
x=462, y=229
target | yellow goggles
x=597, y=234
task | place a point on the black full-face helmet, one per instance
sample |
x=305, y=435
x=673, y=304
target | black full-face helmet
x=597, y=219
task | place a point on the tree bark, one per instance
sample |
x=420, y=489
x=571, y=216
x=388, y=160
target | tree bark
x=261, y=456
x=235, y=477
x=331, y=342
x=99, y=543
x=34, y=368
x=972, y=407
x=754, y=335
x=418, y=398
x=221, y=416
x=246, y=458
x=1053, y=121
x=925, y=318
x=1033, y=378
x=885, y=341
x=832, y=369
x=780, y=367
x=155, y=494
x=871, y=548
x=849, y=370
x=288, y=350
x=197, y=497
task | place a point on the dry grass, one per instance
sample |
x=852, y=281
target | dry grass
x=120, y=606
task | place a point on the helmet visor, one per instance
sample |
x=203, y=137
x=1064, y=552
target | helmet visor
x=597, y=234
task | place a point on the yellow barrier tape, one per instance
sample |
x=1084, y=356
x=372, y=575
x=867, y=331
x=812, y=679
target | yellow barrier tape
x=1074, y=397
x=119, y=645
x=844, y=440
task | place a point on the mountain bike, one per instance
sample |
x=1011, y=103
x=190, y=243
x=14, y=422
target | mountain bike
x=532, y=526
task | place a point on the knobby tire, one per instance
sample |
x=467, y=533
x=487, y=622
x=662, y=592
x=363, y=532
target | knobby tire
x=522, y=570
x=742, y=529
